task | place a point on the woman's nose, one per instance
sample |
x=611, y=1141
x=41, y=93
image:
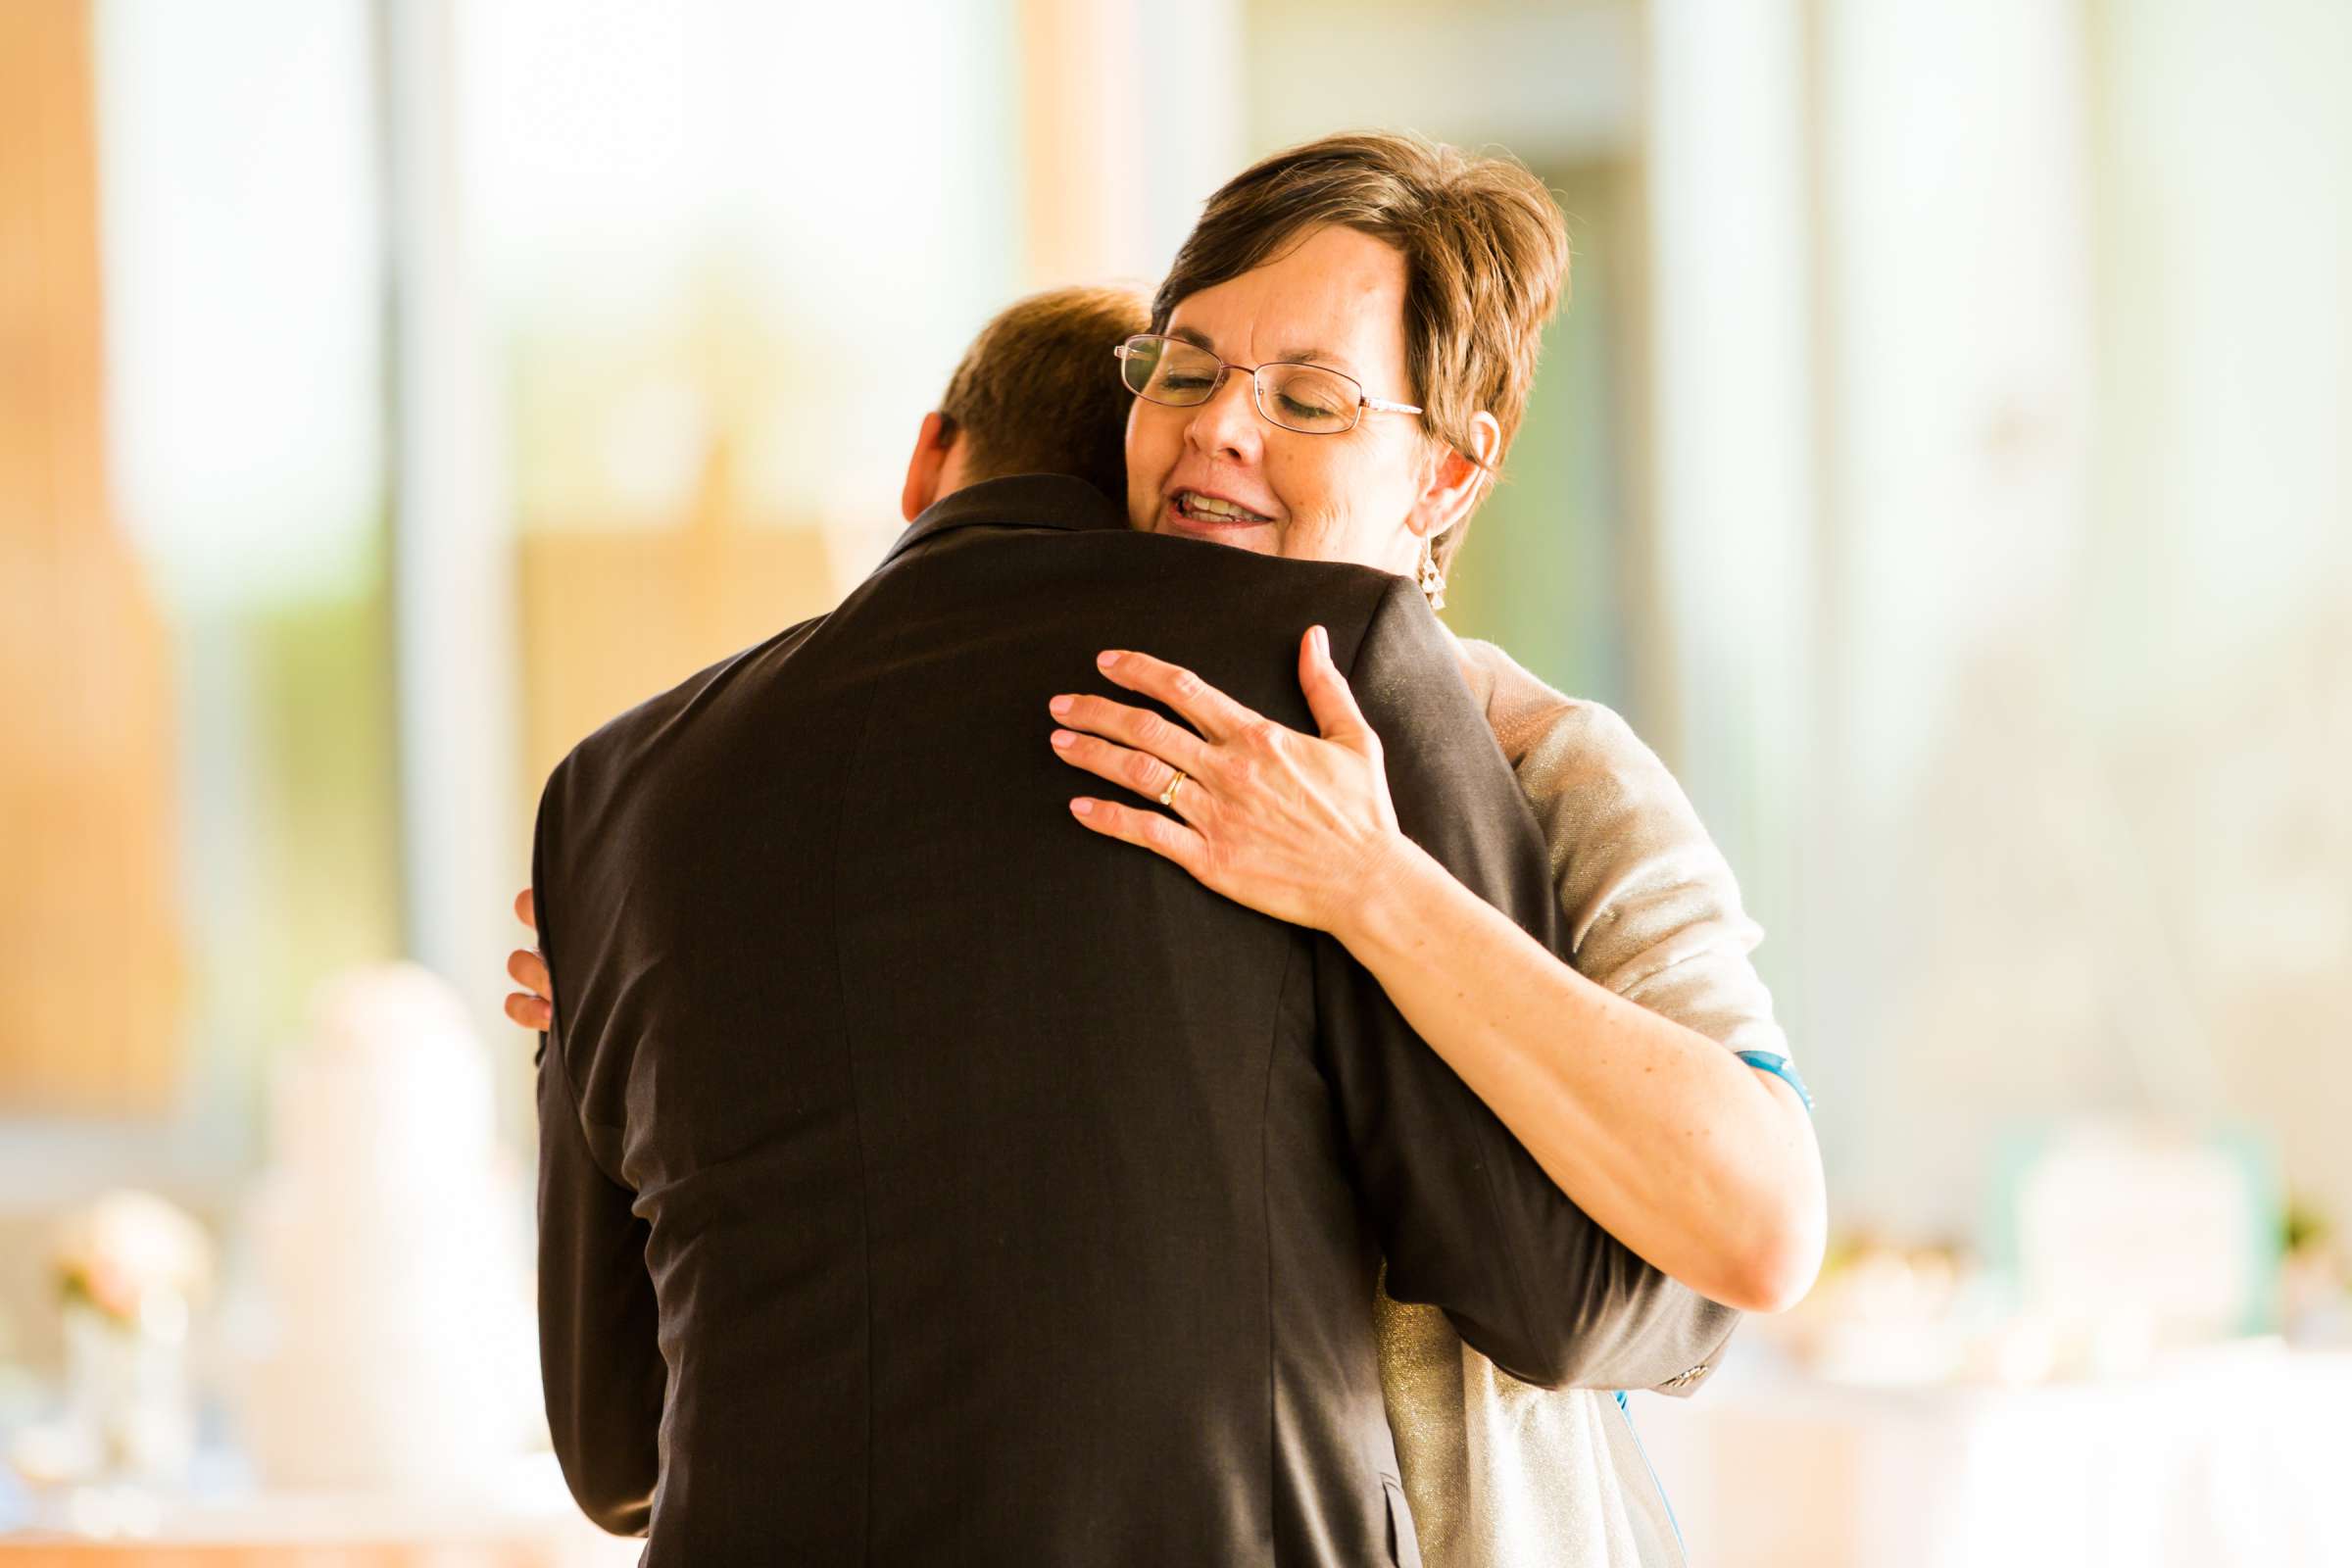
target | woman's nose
x=1226, y=426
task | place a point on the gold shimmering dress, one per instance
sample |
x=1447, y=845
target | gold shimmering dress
x=1501, y=1474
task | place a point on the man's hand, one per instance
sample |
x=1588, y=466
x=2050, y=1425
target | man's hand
x=534, y=1008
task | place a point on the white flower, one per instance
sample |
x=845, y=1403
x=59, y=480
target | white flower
x=128, y=1250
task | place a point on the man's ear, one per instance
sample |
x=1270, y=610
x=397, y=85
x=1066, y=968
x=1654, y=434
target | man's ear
x=931, y=449
x=1454, y=483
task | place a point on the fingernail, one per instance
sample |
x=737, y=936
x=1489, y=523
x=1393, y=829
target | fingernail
x=1322, y=642
x=1083, y=808
x=1059, y=706
x=1062, y=739
x=1106, y=659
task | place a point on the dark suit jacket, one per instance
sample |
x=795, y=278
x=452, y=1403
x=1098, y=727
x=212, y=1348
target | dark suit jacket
x=925, y=1178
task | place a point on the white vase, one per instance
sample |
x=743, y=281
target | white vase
x=128, y=1390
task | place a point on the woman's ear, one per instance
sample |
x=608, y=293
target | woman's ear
x=1454, y=483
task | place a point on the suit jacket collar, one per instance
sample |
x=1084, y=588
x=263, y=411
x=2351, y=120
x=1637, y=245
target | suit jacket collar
x=1019, y=501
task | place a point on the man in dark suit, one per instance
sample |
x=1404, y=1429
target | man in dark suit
x=923, y=1181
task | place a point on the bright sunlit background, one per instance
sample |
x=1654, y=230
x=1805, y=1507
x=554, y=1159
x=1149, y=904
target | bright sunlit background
x=1945, y=461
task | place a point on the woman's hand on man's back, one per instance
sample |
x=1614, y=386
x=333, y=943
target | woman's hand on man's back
x=535, y=1008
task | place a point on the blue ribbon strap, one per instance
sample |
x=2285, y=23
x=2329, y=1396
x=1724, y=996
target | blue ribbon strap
x=1779, y=1068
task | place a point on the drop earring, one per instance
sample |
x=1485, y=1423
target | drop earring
x=1433, y=581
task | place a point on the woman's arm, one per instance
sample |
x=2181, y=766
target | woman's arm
x=1701, y=1165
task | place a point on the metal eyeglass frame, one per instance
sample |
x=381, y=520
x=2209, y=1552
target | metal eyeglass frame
x=1125, y=350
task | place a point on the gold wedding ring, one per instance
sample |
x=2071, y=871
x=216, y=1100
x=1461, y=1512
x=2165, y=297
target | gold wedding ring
x=1167, y=797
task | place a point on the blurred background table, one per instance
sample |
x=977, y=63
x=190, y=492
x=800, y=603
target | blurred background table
x=528, y=1522
x=288, y=1554
x=2234, y=1455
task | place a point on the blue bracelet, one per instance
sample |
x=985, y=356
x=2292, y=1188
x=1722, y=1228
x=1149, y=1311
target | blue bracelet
x=1779, y=1067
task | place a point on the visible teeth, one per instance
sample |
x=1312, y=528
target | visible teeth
x=1211, y=507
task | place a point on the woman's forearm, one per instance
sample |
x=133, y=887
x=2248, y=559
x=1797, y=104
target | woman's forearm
x=1704, y=1167
x=1698, y=1163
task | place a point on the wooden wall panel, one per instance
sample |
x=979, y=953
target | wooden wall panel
x=90, y=958
x=612, y=615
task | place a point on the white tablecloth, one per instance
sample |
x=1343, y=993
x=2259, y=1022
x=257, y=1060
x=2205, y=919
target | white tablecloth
x=2239, y=1455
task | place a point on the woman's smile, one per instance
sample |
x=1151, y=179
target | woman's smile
x=1208, y=515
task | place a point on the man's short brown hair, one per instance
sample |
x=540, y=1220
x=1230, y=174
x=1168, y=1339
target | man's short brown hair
x=1038, y=391
x=1486, y=256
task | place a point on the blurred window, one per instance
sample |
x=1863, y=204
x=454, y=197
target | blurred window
x=728, y=254
x=203, y=662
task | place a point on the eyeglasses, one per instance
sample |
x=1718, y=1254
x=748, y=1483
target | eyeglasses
x=1310, y=398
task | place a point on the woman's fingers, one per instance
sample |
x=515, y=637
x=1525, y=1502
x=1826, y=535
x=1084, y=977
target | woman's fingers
x=1162, y=835
x=1136, y=728
x=532, y=1012
x=1286, y=820
x=527, y=968
x=1139, y=771
x=1207, y=709
x=1329, y=697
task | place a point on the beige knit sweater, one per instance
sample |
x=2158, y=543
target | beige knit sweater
x=1501, y=1474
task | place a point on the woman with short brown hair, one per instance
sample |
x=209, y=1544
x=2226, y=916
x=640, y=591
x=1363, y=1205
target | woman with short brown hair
x=1338, y=361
